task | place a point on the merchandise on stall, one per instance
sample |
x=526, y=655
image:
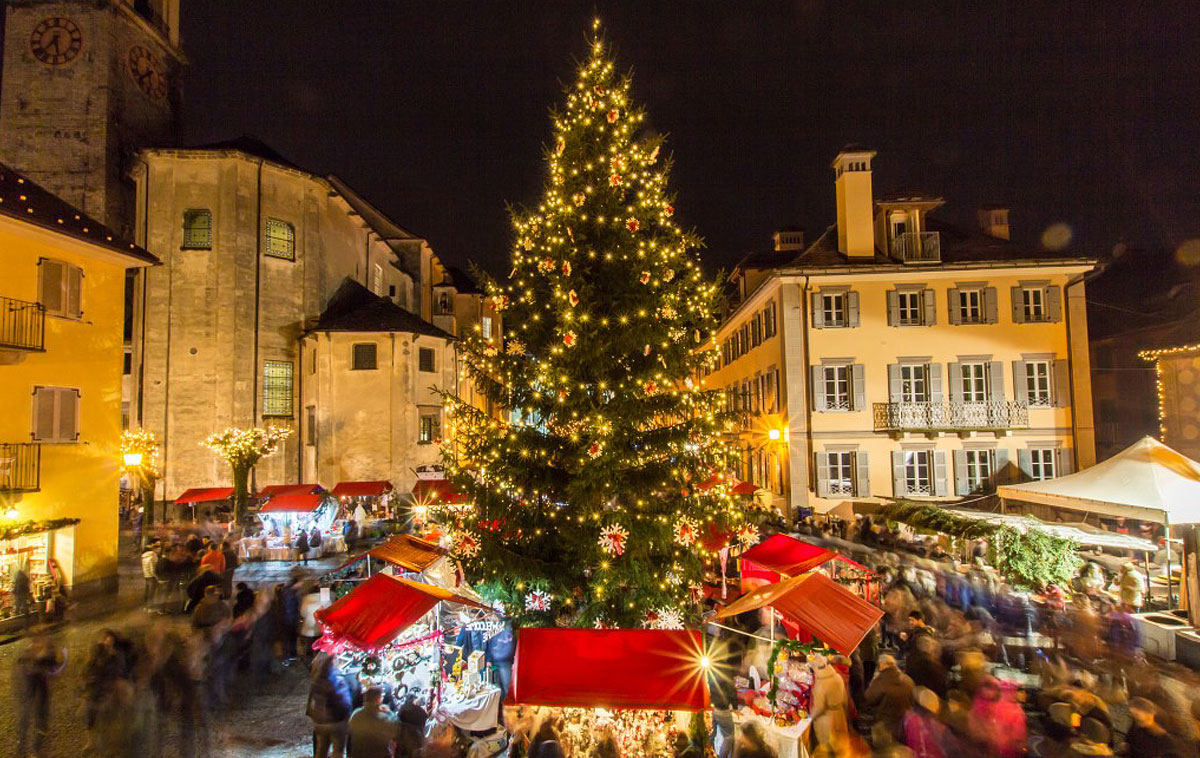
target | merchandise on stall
x=30, y=566
x=365, y=500
x=285, y=515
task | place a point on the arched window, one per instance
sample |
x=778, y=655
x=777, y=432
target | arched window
x=281, y=239
x=197, y=229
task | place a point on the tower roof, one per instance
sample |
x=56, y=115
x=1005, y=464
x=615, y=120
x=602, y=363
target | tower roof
x=354, y=308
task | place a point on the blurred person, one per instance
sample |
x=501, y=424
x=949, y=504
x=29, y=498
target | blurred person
x=214, y=559
x=924, y=733
x=1082, y=635
x=309, y=630
x=329, y=705
x=211, y=612
x=957, y=716
x=828, y=711
x=545, y=741
x=752, y=742
x=105, y=666
x=196, y=588
x=924, y=666
x=39, y=662
x=1131, y=585
x=288, y=618
x=1092, y=740
x=302, y=546
x=150, y=557
x=1124, y=640
x=372, y=727
x=229, y=552
x=243, y=599
x=997, y=721
x=889, y=695
x=1145, y=738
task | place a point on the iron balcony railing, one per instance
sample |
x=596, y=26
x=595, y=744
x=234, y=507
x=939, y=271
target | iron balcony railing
x=22, y=325
x=20, y=466
x=953, y=416
x=917, y=247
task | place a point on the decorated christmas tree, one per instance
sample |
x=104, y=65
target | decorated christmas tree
x=585, y=488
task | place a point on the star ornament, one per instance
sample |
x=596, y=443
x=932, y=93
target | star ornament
x=594, y=450
x=632, y=224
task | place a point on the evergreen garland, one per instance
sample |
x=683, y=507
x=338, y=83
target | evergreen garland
x=26, y=528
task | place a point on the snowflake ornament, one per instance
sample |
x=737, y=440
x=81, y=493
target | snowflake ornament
x=579, y=199
x=645, y=277
x=613, y=538
x=465, y=544
x=667, y=311
x=687, y=531
x=537, y=600
x=527, y=243
x=632, y=224
x=747, y=536
x=515, y=347
x=668, y=275
x=664, y=618
x=490, y=350
x=546, y=265
x=651, y=387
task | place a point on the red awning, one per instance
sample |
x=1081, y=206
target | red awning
x=822, y=607
x=275, y=490
x=375, y=612
x=293, y=504
x=712, y=481
x=601, y=668
x=745, y=488
x=437, y=491
x=205, y=494
x=786, y=555
x=361, y=489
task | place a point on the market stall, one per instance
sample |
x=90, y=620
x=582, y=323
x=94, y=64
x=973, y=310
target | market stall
x=36, y=558
x=402, y=555
x=781, y=556
x=209, y=499
x=365, y=501
x=284, y=516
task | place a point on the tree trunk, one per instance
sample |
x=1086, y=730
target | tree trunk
x=241, y=493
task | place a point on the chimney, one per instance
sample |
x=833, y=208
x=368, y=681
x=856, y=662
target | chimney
x=790, y=238
x=855, y=202
x=993, y=221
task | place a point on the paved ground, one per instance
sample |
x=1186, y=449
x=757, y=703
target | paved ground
x=266, y=719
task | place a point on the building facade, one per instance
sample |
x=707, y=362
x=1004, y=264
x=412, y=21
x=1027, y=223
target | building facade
x=897, y=357
x=61, y=325
x=1173, y=350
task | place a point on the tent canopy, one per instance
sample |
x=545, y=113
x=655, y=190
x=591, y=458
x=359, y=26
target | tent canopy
x=604, y=668
x=787, y=555
x=406, y=551
x=361, y=489
x=274, y=490
x=293, y=504
x=437, y=491
x=1084, y=534
x=1147, y=481
x=830, y=612
x=205, y=494
x=375, y=612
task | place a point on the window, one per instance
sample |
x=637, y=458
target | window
x=365, y=355
x=974, y=382
x=310, y=425
x=485, y=327
x=833, y=308
x=970, y=306
x=837, y=388
x=281, y=239
x=377, y=280
x=127, y=364
x=431, y=429
x=769, y=321
x=756, y=330
x=1041, y=463
x=839, y=468
x=277, y=389
x=979, y=465
x=312, y=366
x=426, y=360
x=1033, y=303
x=197, y=229
x=443, y=304
x=917, y=472
x=910, y=308
x=914, y=384
x=55, y=414
x=771, y=399
x=1037, y=383
x=60, y=288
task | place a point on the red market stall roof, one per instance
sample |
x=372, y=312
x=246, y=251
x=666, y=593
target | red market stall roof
x=745, y=488
x=603, y=668
x=405, y=551
x=713, y=481
x=737, y=487
x=205, y=494
x=361, y=489
x=437, y=491
x=375, y=612
x=293, y=504
x=830, y=612
x=275, y=490
x=787, y=555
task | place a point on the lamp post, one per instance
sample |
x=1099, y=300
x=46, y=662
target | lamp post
x=139, y=459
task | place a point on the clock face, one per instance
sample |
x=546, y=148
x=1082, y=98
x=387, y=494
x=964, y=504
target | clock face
x=56, y=41
x=147, y=73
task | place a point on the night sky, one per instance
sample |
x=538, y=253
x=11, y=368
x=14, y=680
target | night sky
x=1082, y=113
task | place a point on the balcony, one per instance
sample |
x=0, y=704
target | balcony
x=997, y=415
x=917, y=247
x=22, y=325
x=20, y=467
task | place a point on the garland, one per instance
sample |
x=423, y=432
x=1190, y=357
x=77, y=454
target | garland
x=28, y=528
x=792, y=646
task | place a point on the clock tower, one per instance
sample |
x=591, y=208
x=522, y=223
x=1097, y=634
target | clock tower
x=85, y=84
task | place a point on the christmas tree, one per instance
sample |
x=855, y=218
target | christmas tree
x=586, y=505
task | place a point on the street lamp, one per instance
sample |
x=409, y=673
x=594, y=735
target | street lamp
x=132, y=460
x=774, y=435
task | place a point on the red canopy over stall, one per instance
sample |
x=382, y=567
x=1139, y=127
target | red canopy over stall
x=375, y=612
x=437, y=491
x=205, y=495
x=274, y=490
x=293, y=504
x=821, y=606
x=786, y=555
x=361, y=489
x=601, y=668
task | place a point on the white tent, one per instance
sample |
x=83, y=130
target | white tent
x=1084, y=534
x=1147, y=481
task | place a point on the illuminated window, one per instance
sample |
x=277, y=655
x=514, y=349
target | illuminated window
x=839, y=467
x=837, y=388
x=281, y=239
x=914, y=383
x=917, y=468
x=485, y=327
x=431, y=429
x=974, y=382
x=833, y=308
x=197, y=229
x=277, y=389
x=979, y=465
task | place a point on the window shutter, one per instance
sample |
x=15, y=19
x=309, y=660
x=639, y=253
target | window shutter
x=50, y=286
x=1018, y=305
x=940, y=487
x=898, y=488
x=1062, y=383
x=68, y=416
x=960, y=473
x=862, y=474
x=818, y=313
x=936, y=393
x=894, y=382
x=991, y=309
x=1000, y=473
x=1020, y=382
x=852, y=308
x=818, y=389
x=893, y=305
x=821, y=464
x=43, y=414
x=1053, y=297
x=858, y=387
x=953, y=307
x=1025, y=464
x=1064, y=461
x=929, y=300
x=955, y=382
x=73, y=305
x=996, y=368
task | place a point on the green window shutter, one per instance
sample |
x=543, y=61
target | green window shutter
x=818, y=313
x=821, y=465
x=996, y=380
x=73, y=294
x=955, y=382
x=44, y=399
x=953, y=308
x=1020, y=382
x=1025, y=464
x=894, y=381
x=898, y=488
x=818, y=388
x=936, y=393
x=1000, y=472
x=1064, y=461
x=51, y=292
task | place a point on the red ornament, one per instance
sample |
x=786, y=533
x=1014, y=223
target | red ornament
x=566, y=268
x=669, y=210
x=633, y=224
x=615, y=180
x=572, y=298
x=612, y=116
x=651, y=387
x=594, y=450
x=569, y=339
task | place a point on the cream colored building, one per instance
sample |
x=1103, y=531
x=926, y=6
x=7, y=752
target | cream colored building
x=897, y=357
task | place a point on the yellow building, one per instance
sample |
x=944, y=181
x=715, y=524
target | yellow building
x=898, y=357
x=62, y=287
x=1174, y=349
